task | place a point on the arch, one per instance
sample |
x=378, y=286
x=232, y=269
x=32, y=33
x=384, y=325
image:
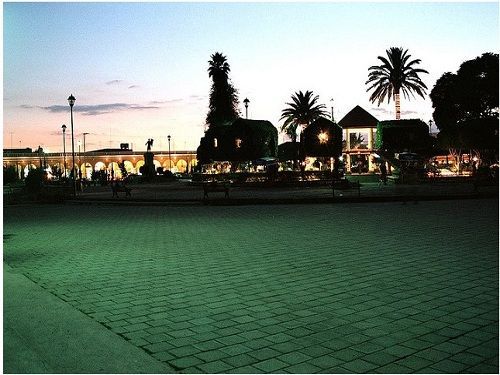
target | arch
x=50, y=172
x=165, y=164
x=129, y=167
x=28, y=168
x=76, y=167
x=138, y=166
x=114, y=170
x=99, y=166
x=56, y=167
x=86, y=170
x=181, y=165
x=157, y=164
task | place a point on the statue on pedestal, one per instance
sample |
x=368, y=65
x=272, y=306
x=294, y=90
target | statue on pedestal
x=148, y=170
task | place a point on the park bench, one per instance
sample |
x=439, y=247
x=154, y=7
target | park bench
x=116, y=188
x=344, y=184
x=215, y=186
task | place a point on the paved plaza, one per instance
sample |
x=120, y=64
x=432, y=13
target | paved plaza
x=327, y=288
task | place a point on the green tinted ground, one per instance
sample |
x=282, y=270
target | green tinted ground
x=383, y=288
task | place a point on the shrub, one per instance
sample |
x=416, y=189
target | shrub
x=34, y=180
x=9, y=174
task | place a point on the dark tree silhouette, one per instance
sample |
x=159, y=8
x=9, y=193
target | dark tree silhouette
x=470, y=94
x=223, y=103
x=301, y=112
x=466, y=108
x=396, y=74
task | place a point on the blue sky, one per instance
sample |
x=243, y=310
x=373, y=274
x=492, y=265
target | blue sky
x=139, y=70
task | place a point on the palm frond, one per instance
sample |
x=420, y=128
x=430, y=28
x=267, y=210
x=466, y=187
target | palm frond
x=397, y=73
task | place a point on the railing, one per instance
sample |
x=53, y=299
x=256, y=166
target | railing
x=7, y=155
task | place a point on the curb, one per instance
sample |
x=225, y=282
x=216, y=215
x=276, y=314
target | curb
x=278, y=201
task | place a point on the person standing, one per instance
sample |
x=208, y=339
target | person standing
x=383, y=173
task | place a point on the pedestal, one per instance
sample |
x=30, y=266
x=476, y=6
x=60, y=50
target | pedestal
x=149, y=166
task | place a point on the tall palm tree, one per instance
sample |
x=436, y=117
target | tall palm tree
x=223, y=102
x=301, y=112
x=396, y=74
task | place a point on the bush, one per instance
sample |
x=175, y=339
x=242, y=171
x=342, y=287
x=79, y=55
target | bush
x=34, y=180
x=9, y=174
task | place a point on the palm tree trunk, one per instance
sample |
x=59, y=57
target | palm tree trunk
x=398, y=105
x=295, y=153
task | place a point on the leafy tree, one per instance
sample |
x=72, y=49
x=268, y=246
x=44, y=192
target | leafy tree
x=223, y=102
x=251, y=139
x=323, y=138
x=466, y=107
x=34, y=180
x=471, y=93
x=301, y=112
x=9, y=174
x=403, y=135
x=396, y=74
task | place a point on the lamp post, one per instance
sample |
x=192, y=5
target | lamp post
x=332, y=109
x=169, y=155
x=79, y=186
x=40, y=155
x=71, y=101
x=84, y=155
x=79, y=152
x=63, y=127
x=246, y=101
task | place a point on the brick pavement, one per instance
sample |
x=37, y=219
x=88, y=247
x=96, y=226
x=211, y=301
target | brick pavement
x=382, y=288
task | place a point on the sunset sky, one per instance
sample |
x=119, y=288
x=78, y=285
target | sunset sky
x=139, y=70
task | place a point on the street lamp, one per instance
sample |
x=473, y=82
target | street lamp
x=40, y=155
x=79, y=165
x=84, y=156
x=84, y=160
x=246, y=101
x=332, y=109
x=71, y=101
x=79, y=152
x=169, y=156
x=64, y=148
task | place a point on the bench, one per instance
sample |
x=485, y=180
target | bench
x=345, y=184
x=115, y=188
x=214, y=186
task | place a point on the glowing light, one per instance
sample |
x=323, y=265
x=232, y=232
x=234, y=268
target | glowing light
x=323, y=137
x=238, y=143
